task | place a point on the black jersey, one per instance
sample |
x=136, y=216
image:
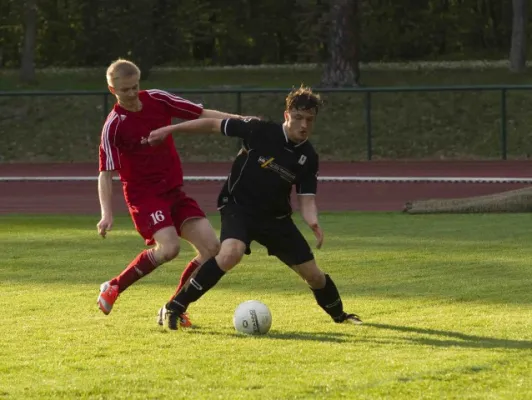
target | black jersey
x=269, y=164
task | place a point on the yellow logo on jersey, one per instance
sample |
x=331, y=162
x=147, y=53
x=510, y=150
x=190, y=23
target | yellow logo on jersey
x=267, y=162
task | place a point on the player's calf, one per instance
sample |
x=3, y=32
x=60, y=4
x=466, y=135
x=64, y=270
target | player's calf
x=328, y=298
x=208, y=275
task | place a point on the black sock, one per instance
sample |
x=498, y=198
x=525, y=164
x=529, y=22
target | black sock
x=208, y=275
x=329, y=299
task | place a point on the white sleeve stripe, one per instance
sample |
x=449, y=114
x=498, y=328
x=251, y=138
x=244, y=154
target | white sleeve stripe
x=306, y=194
x=109, y=162
x=224, y=128
x=110, y=159
x=108, y=152
x=181, y=109
x=105, y=140
x=169, y=97
x=114, y=144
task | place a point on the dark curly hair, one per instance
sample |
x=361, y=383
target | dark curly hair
x=303, y=98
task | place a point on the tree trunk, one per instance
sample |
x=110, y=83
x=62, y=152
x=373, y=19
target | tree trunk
x=342, y=67
x=27, y=69
x=518, y=201
x=518, y=49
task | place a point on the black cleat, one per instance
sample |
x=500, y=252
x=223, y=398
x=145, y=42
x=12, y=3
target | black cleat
x=170, y=317
x=349, y=318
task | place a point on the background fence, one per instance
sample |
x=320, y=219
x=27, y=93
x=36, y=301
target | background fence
x=443, y=122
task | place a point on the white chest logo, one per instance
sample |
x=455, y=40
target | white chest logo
x=302, y=159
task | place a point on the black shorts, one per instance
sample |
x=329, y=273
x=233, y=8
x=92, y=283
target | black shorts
x=281, y=237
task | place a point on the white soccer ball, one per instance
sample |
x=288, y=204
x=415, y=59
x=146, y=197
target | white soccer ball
x=253, y=318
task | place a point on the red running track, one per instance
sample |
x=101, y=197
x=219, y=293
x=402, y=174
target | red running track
x=81, y=197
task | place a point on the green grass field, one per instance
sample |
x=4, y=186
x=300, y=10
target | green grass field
x=446, y=302
x=428, y=125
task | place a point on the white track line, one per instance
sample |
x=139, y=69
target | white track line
x=362, y=179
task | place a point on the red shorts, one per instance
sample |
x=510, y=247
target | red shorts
x=170, y=209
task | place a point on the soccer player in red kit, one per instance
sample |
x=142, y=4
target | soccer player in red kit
x=152, y=180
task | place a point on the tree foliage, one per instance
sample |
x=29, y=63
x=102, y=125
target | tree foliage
x=210, y=32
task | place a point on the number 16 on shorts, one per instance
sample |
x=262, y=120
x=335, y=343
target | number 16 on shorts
x=157, y=217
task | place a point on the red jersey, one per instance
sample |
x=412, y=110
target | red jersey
x=144, y=169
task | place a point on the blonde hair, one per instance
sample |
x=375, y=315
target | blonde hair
x=121, y=68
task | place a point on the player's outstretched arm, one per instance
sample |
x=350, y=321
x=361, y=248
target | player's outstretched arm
x=203, y=125
x=105, y=194
x=217, y=114
x=309, y=212
x=221, y=115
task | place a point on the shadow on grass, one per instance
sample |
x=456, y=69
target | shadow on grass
x=331, y=337
x=455, y=339
x=336, y=337
x=440, y=338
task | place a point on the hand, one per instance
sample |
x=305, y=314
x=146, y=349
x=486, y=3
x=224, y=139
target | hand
x=319, y=235
x=105, y=225
x=157, y=136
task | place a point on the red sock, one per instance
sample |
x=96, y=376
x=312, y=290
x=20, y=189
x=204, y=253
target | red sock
x=189, y=270
x=142, y=265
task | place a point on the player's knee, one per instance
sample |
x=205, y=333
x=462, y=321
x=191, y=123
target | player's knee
x=208, y=249
x=169, y=251
x=230, y=254
x=212, y=248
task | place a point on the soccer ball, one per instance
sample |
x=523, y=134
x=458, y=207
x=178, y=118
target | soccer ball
x=253, y=318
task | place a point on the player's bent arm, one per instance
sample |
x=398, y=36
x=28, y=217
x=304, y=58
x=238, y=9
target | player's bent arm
x=228, y=127
x=204, y=125
x=105, y=192
x=308, y=209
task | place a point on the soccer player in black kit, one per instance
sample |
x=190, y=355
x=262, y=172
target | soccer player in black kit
x=255, y=201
